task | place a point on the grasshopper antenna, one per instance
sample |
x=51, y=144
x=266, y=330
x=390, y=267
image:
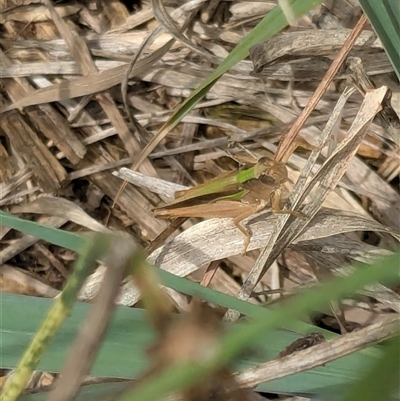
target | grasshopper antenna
x=248, y=151
x=237, y=159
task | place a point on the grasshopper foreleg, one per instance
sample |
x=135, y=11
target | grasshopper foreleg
x=276, y=206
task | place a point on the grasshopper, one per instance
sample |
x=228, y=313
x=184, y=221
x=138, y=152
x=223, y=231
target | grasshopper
x=236, y=194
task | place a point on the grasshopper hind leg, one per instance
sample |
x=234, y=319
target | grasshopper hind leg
x=238, y=220
x=244, y=231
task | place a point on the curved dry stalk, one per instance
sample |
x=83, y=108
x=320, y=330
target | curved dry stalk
x=320, y=354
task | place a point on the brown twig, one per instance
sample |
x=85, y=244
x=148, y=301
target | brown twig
x=210, y=273
x=289, y=138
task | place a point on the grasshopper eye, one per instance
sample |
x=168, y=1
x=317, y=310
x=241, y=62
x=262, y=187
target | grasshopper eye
x=267, y=179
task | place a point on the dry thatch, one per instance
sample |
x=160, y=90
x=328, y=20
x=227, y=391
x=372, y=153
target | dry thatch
x=66, y=130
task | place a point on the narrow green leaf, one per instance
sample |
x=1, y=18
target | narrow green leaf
x=270, y=25
x=50, y=234
x=384, y=16
x=95, y=246
x=123, y=352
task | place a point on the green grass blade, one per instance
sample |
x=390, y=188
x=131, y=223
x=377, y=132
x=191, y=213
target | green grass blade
x=94, y=247
x=384, y=16
x=50, y=234
x=123, y=352
x=270, y=25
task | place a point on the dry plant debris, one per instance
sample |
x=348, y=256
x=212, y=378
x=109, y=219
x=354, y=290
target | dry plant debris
x=65, y=133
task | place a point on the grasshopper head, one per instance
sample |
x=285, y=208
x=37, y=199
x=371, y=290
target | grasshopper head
x=271, y=173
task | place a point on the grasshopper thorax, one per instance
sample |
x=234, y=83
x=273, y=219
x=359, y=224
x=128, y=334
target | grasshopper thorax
x=264, y=164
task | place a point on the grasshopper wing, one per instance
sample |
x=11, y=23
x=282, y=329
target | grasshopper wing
x=222, y=184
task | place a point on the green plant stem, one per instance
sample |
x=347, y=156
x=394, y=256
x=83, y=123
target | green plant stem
x=92, y=249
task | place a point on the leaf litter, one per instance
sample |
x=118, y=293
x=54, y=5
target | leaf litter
x=66, y=123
